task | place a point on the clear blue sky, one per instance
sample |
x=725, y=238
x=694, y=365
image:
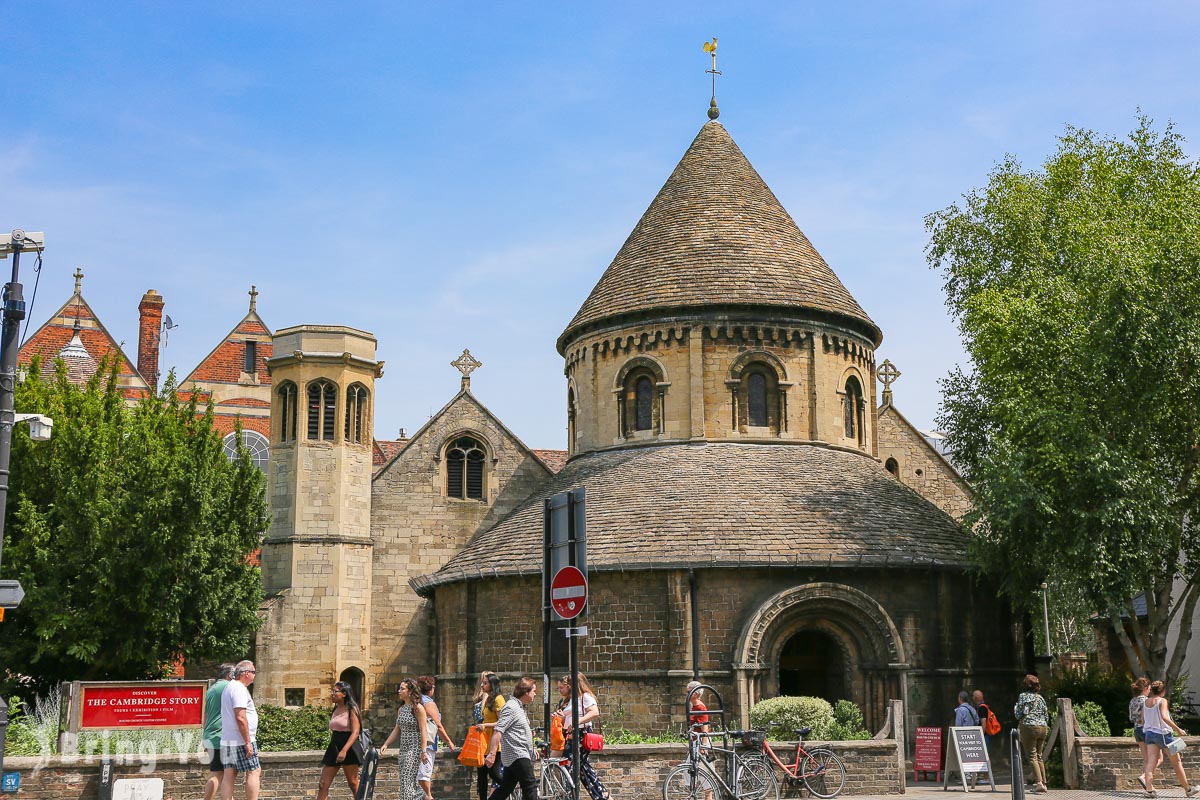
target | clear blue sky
x=451, y=175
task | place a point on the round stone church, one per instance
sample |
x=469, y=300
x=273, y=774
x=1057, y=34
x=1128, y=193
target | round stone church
x=756, y=516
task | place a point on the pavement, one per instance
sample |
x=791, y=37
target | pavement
x=929, y=790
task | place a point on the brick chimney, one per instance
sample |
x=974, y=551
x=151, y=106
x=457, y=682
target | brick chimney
x=150, y=312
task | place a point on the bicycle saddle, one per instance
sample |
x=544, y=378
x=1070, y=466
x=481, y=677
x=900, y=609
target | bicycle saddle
x=802, y=732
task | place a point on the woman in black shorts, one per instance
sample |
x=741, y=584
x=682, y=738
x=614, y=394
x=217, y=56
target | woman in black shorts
x=344, y=726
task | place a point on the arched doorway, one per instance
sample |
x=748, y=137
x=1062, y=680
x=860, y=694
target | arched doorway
x=354, y=676
x=813, y=664
x=830, y=636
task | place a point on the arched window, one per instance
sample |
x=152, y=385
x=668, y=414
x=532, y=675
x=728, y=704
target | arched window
x=853, y=410
x=464, y=469
x=322, y=405
x=287, y=411
x=891, y=466
x=757, y=397
x=570, y=420
x=640, y=401
x=254, y=442
x=356, y=412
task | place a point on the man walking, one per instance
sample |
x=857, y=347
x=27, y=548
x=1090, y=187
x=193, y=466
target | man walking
x=212, y=730
x=239, y=731
x=965, y=715
x=515, y=741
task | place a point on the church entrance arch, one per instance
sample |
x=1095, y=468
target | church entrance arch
x=825, y=640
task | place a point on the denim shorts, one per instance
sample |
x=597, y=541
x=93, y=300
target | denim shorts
x=1139, y=734
x=1159, y=739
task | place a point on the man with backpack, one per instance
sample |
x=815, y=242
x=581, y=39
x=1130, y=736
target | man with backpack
x=965, y=715
x=989, y=721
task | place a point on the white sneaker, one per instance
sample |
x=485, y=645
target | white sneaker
x=1193, y=790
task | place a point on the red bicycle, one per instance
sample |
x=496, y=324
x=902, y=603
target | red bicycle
x=820, y=769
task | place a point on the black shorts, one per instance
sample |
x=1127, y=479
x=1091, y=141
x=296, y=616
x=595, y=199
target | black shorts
x=337, y=742
x=214, y=758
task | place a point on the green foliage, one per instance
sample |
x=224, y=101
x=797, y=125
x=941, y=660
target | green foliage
x=782, y=716
x=304, y=728
x=847, y=723
x=1076, y=293
x=1108, y=691
x=130, y=531
x=1091, y=719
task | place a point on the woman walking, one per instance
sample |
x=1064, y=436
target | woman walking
x=489, y=712
x=1137, y=707
x=344, y=727
x=589, y=713
x=1033, y=720
x=1157, y=725
x=410, y=730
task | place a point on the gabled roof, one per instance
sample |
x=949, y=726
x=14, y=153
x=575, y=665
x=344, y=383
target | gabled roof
x=464, y=395
x=715, y=235
x=225, y=362
x=923, y=438
x=58, y=331
x=554, y=459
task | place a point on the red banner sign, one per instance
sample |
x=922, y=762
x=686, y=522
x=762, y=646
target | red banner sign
x=927, y=756
x=142, y=705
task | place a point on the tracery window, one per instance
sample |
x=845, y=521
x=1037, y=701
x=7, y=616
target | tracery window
x=464, y=468
x=853, y=410
x=356, y=413
x=254, y=442
x=322, y=405
x=287, y=411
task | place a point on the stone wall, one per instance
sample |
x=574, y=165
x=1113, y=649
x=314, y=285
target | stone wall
x=634, y=772
x=1110, y=762
x=919, y=466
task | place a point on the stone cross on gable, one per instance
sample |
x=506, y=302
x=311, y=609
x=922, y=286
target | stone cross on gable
x=253, y=297
x=887, y=376
x=466, y=364
x=78, y=280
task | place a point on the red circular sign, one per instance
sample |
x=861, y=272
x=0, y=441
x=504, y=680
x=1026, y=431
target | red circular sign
x=568, y=592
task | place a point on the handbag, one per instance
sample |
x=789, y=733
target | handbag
x=474, y=748
x=1176, y=745
x=363, y=744
x=593, y=741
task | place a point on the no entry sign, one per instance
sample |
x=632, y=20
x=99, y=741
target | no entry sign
x=568, y=592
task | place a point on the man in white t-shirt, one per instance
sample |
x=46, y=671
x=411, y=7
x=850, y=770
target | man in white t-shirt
x=239, y=731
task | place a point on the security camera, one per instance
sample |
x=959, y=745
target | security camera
x=40, y=426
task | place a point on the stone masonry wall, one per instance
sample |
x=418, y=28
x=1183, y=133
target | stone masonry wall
x=634, y=772
x=417, y=528
x=1107, y=763
x=920, y=466
x=695, y=360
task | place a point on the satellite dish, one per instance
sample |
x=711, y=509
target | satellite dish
x=168, y=324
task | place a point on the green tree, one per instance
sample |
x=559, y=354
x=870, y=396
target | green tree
x=131, y=532
x=1076, y=289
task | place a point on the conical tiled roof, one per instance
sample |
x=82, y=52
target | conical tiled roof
x=716, y=236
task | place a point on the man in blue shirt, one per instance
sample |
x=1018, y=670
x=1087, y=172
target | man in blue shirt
x=965, y=715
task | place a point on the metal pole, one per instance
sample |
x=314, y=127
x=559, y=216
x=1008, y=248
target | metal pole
x=14, y=312
x=1046, y=617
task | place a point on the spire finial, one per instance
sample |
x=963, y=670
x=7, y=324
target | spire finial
x=887, y=376
x=466, y=364
x=253, y=298
x=78, y=279
x=711, y=49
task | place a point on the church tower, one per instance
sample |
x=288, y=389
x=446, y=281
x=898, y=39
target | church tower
x=316, y=558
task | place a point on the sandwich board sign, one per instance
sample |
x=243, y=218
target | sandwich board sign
x=966, y=754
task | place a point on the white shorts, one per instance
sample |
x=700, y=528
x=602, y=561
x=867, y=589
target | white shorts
x=425, y=768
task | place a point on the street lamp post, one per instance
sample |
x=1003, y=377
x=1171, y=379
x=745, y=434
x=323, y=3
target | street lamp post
x=14, y=311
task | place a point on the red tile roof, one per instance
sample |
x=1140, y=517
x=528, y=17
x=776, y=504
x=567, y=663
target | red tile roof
x=555, y=460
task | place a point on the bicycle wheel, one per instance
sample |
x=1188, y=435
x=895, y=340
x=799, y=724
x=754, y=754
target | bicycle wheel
x=556, y=783
x=756, y=779
x=682, y=785
x=824, y=773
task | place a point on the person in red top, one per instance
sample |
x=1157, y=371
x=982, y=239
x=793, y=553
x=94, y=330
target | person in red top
x=698, y=722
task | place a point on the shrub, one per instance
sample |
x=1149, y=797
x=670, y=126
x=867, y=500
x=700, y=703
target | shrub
x=1091, y=719
x=847, y=722
x=1108, y=690
x=304, y=728
x=781, y=716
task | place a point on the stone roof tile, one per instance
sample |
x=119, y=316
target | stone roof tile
x=716, y=235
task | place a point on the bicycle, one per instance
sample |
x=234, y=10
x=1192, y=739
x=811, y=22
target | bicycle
x=749, y=777
x=555, y=782
x=820, y=770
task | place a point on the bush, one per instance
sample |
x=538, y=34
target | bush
x=782, y=716
x=304, y=728
x=847, y=722
x=1091, y=719
x=1108, y=690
